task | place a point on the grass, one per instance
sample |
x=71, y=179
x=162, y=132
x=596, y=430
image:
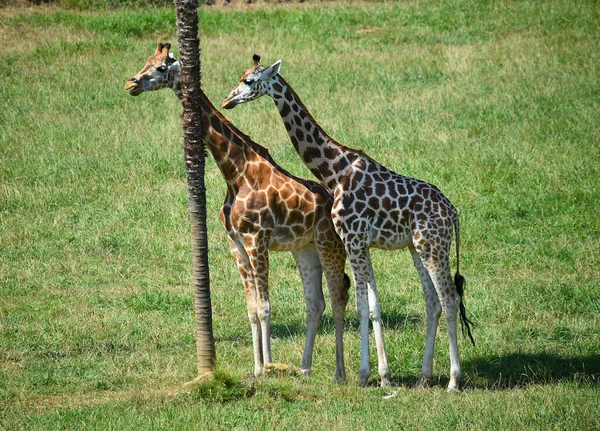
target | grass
x=497, y=103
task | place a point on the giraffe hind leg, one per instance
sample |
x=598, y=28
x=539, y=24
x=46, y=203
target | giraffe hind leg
x=338, y=284
x=439, y=270
x=245, y=270
x=258, y=256
x=311, y=273
x=367, y=304
x=434, y=310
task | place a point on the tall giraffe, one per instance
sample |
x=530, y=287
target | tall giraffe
x=374, y=207
x=266, y=208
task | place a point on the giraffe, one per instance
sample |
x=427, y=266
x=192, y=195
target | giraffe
x=266, y=208
x=374, y=207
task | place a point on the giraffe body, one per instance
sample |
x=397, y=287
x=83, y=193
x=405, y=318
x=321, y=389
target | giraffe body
x=373, y=207
x=266, y=209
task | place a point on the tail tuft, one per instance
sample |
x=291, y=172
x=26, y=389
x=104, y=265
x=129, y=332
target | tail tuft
x=459, y=282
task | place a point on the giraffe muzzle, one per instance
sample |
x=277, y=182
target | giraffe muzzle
x=228, y=103
x=133, y=87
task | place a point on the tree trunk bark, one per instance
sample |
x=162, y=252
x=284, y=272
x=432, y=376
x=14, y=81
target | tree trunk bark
x=195, y=152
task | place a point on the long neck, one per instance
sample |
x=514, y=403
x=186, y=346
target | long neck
x=231, y=148
x=325, y=158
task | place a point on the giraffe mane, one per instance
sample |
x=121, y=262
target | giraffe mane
x=262, y=151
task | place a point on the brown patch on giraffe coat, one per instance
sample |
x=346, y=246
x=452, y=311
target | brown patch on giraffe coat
x=323, y=168
x=295, y=217
x=357, y=177
x=216, y=124
x=380, y=189
x=359, y=206
x=331, y=152
x=361, y=194
x=340, y=164
x=311, y=154
x=288, y=95
x=285, y=110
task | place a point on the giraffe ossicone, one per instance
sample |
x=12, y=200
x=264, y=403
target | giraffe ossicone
x=374, y=207
x=266, y=208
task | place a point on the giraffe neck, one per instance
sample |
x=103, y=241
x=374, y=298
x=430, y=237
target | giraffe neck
x=231, y=148
x=325, y=158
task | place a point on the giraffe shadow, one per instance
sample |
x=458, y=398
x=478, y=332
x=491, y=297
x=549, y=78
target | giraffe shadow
x=517, y=370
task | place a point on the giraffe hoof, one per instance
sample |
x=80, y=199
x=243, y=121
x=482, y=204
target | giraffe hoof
x=452, y=390
x=385, y=383
x=422, y=383
x=340, y=378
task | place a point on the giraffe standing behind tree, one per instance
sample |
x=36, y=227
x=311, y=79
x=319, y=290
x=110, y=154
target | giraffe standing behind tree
x=266, y=208
x=374, y=207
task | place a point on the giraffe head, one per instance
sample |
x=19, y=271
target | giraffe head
x=255, y=82
x=160, y=71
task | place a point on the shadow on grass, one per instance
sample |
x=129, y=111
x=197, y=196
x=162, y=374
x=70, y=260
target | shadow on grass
x=327, y=325
x=523, y=369
x=513, y=371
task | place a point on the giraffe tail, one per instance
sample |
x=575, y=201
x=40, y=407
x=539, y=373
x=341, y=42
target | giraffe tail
x=346, y=282
x=459, y=282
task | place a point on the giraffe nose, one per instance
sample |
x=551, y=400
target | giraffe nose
x=132, y=83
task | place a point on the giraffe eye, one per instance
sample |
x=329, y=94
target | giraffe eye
x=248, y=81
x=161, y=68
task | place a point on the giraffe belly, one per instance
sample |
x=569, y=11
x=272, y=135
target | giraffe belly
x=290, y=238
x=389, y=240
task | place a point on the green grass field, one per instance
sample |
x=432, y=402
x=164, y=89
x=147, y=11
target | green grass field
x=497, y=103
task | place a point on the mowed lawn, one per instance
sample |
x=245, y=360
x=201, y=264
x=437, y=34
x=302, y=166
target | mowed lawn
x=497, y=103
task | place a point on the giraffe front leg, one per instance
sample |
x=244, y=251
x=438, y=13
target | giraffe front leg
x=375, y=316
x=311, y=273
x=356, y=258
x=258, y=255
x=245, y=269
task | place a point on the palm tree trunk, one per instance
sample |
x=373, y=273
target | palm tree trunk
x=195, y=152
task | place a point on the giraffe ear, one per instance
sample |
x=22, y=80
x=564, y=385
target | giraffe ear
x=273, y=70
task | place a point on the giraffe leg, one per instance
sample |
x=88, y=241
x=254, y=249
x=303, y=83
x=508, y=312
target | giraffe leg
x=375, y=316
x=258, y=255
x=434, y=309
x=311, y=272
x=367, y=303
x=245, y=270
x=439, y=271
x=333, y=262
